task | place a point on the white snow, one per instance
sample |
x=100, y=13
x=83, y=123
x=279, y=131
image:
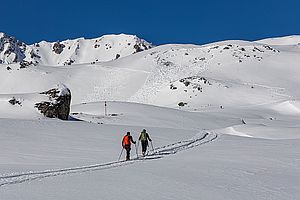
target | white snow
x=287, y=40
x=236, y=134
x=83, y=50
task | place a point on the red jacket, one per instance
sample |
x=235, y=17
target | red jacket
x=127, y=139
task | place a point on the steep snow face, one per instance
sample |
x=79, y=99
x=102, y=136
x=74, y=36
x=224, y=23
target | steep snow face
x=105, y=48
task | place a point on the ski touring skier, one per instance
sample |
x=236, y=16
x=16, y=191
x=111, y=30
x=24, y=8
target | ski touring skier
x=126, y=144
x=144, y=138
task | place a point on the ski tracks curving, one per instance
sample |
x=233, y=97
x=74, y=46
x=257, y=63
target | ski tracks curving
x=156, y=153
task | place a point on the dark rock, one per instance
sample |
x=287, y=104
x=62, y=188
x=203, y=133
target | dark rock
x=25, y=64
x=141, y=46
x=58, y=48
x=181, y=104
x=118, y=56
x=13, y=101
x=215, y=47
x=257, y=49
x=137, y=48
x=187, y=83
x=58, y=105
x=172, y=87
x=69, y=62
x=34, y=55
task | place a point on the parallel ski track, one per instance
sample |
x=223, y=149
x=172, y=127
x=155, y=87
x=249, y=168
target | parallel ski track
x=156, y=153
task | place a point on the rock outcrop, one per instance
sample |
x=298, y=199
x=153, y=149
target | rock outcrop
x=58, y=105
x=11, y=49
x=58, y=48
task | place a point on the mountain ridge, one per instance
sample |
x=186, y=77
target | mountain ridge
x=189, y=77
x=68, y=52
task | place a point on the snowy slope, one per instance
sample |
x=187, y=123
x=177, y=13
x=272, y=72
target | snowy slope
x=50, y=159
x=287, y=40
x=288, y=43
x=188, y=77
x=231, y=70
x=224, y=119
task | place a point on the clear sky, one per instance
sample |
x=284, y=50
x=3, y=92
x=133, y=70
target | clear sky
x=158, y=21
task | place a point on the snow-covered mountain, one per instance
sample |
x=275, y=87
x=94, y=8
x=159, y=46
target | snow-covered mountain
x=77, y=51
x=189, y=77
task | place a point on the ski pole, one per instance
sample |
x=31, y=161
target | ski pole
x=151, y=145
x=121, y=154
x=136, y=151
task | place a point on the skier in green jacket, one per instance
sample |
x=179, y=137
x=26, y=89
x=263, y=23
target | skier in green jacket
x=144, y=137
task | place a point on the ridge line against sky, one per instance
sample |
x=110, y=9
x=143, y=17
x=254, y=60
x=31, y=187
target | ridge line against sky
x=159, y=22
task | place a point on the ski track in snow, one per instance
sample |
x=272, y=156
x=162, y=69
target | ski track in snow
x=156, y=153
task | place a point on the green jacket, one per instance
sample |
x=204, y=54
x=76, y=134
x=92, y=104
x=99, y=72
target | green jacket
x=144, y=136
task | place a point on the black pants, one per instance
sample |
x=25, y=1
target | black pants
x=128, y=149
x=144, y=146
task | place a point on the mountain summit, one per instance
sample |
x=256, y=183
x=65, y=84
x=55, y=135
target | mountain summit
x=11, y=49
x=68, y=52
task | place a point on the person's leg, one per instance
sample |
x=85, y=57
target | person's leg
x=128, y=153
x=144, y=147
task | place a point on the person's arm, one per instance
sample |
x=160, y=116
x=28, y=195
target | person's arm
x=132, y=140
x=123, y=142
x=149, y=137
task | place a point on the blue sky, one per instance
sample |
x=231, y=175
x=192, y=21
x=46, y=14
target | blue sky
x=158, y=21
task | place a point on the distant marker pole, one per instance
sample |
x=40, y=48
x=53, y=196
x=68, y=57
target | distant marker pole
x=105, y=111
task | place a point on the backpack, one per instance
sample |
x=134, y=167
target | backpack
x=126, y=140
x=143, y=136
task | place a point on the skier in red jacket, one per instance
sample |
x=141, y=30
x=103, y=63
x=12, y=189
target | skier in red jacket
x=126, y=143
